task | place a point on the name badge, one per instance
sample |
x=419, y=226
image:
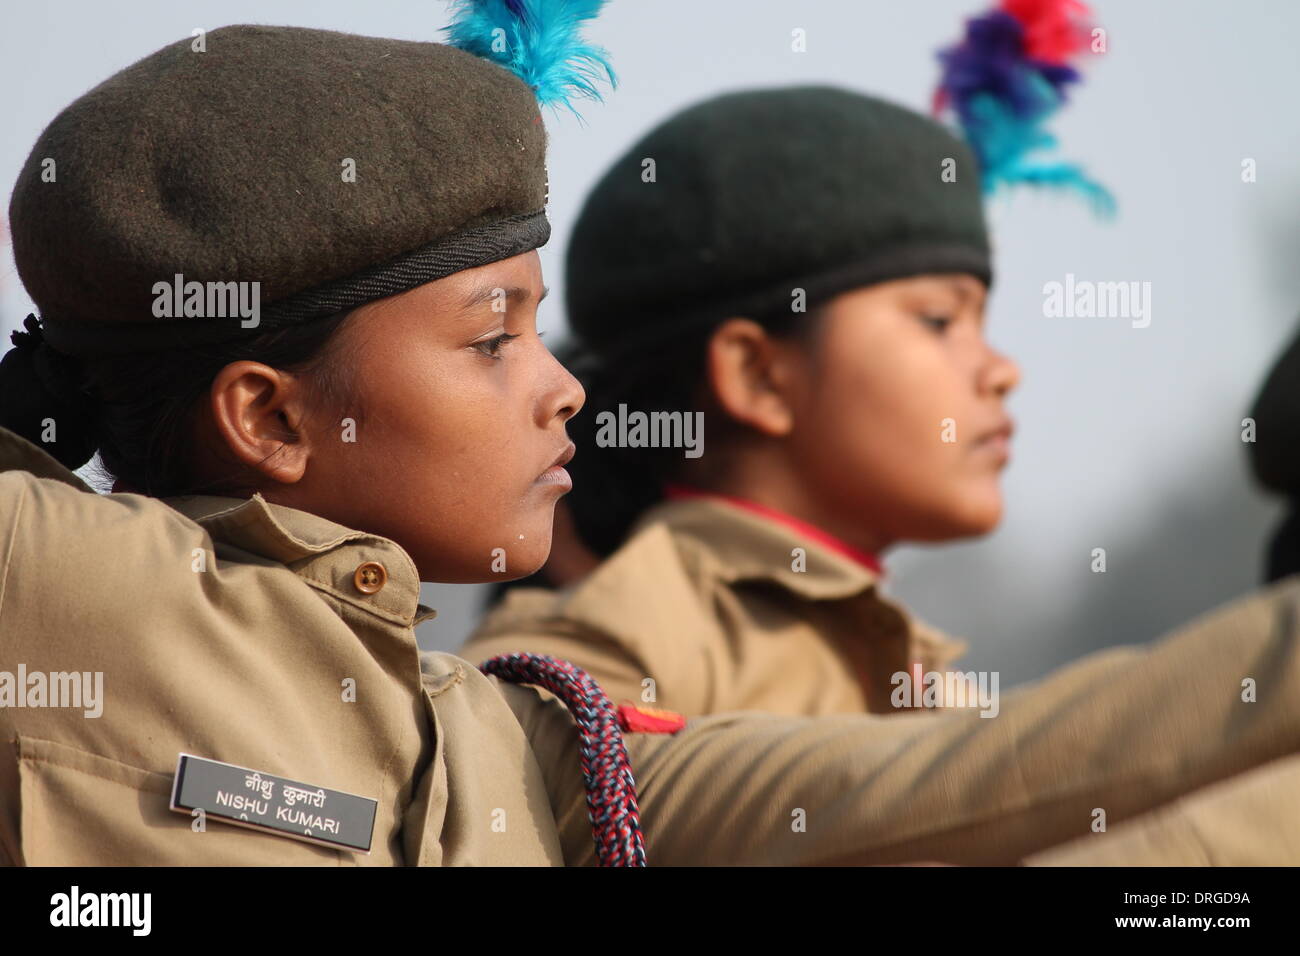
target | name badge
x=263, y=801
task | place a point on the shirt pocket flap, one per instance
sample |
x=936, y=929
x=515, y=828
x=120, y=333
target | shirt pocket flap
x=80, y=809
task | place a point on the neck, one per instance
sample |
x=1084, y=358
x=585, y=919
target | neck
x=773, y=483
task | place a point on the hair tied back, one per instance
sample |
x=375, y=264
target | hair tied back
x=40, y=385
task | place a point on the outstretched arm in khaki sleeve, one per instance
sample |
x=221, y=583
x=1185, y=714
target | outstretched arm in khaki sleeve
x=1124, y=730
x=1247, y=820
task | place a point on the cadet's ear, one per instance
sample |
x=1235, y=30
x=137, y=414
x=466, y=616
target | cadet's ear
x=751, y=375
x=259, y=414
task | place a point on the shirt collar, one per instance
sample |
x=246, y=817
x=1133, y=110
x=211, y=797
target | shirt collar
x=322, y=552
x=674, y=491
x=756, y=544
x=750, y=542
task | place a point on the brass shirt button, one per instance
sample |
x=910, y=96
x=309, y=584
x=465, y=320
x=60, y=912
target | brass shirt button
x=370, y=577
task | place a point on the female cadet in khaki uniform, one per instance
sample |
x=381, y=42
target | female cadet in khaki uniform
x=216, y=663
x=824, y=344
x=811, y=303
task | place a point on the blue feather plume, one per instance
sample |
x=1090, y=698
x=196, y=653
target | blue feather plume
x=1006, y=139
x=1004, y=96
x=539, y=41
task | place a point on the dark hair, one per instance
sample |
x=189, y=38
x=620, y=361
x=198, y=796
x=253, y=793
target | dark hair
x=140, y=411
x=614, y=486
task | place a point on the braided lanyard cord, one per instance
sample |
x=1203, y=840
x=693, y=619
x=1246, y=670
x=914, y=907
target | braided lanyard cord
x=606, y=770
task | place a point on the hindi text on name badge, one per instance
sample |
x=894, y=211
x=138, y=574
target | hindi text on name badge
x=263, y=801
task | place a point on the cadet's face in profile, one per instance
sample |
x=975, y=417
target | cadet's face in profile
x=465, y=413
x=904, y=426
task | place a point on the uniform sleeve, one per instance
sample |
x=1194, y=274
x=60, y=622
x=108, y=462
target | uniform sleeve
x=1247, y=820
x=1124, y=731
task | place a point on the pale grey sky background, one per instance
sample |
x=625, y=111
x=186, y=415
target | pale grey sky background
x=1128, y=439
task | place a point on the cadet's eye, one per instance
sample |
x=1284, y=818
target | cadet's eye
x=937, y=323
x=490, y=347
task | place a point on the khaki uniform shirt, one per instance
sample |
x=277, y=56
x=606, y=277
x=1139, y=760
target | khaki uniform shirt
x=230, y=629
x=704, y=601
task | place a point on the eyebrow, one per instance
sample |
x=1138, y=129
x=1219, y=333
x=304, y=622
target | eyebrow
x=514, y=293
x=966, y=293
x=962, y=289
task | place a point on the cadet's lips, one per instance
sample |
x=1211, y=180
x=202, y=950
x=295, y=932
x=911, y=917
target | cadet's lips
x=556, y=474
x=999, y=439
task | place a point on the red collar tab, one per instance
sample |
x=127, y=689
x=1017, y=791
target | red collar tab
x=678, y=492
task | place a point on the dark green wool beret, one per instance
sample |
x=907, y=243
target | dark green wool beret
x=752, y=195
x=1275, y=452
x=1274, y=455
x=231, y=164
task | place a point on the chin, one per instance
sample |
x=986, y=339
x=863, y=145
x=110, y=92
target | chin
x=527, y=556
x=982, y=519
x=521, y=569
x=968, y=519
x=486, y=561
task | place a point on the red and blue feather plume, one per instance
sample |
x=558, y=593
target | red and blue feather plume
x=540, y=41
x=1005, y=79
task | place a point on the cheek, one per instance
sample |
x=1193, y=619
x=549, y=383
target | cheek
x=455, y=465
x=880, y=408
x=876, y=437
x=441, y=425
